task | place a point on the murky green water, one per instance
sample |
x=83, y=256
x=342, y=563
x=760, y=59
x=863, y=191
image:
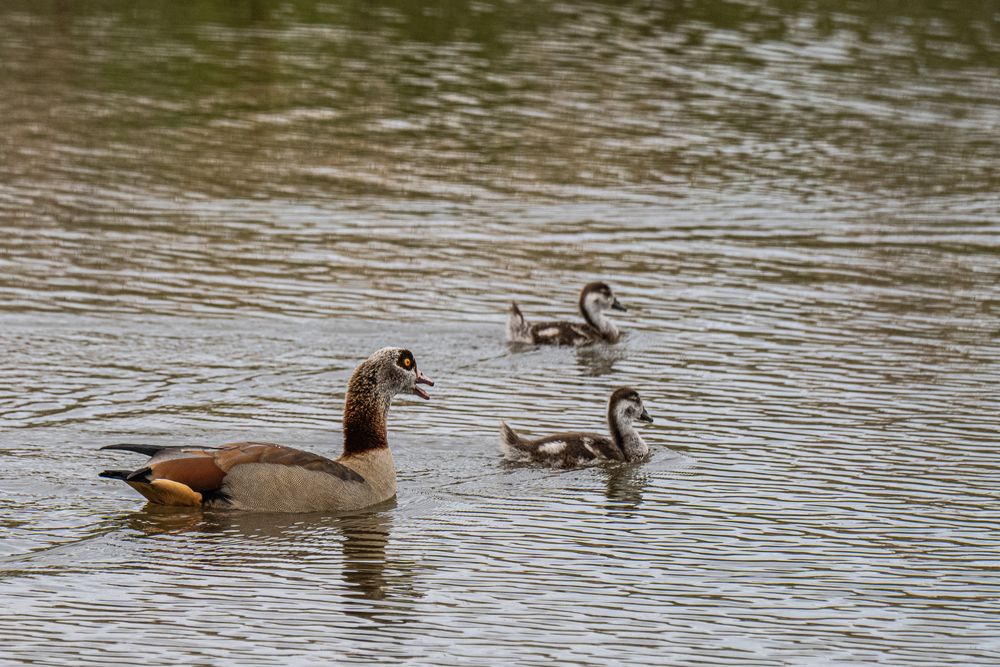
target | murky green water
x=212, y=211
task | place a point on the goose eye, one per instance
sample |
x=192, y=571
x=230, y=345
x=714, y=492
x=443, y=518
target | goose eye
x=407, y=362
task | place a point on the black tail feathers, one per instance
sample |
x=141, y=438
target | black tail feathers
x=140, y=475
x=148, y=450
x=115, y=474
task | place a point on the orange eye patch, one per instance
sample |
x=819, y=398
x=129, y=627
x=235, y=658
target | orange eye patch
x=407, y=362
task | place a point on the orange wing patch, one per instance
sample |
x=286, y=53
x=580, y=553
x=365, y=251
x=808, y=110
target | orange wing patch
x=197, y=472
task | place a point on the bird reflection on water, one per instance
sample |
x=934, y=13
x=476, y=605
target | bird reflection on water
x=600, y=359
x=290, y=541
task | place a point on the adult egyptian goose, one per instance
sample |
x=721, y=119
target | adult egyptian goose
x=572, y=449
x=265, y=477
x=595, y=298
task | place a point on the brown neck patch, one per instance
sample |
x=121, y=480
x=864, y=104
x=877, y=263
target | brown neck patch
x=364, y=413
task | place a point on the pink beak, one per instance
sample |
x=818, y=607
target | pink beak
x=422, y=379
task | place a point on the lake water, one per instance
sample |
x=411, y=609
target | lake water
x=212, y=211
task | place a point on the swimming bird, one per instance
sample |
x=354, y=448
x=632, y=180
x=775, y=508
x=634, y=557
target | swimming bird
x=266, y=477
x=573, y=449
x=595, y=298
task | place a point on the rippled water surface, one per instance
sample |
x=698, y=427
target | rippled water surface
x=211, y=211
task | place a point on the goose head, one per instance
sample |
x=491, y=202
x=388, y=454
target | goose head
x=625, y=407
x=394, y=371
x=597, y=297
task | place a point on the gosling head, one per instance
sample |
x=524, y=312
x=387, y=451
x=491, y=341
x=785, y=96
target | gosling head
x=597, y=296
x=626, y=405
x=395, y=372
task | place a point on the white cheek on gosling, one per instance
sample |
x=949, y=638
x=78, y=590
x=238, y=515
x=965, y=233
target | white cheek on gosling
x=593, y=302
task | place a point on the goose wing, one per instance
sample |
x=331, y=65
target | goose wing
x=190, y=476
x=561, y=333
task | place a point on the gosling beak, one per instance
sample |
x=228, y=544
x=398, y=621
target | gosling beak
x=422, y=379
x=644, y=417
x=616, y=305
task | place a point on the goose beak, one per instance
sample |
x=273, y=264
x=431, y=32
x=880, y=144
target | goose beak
x=644, y=417
x=422, y=379
x=616, y=305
